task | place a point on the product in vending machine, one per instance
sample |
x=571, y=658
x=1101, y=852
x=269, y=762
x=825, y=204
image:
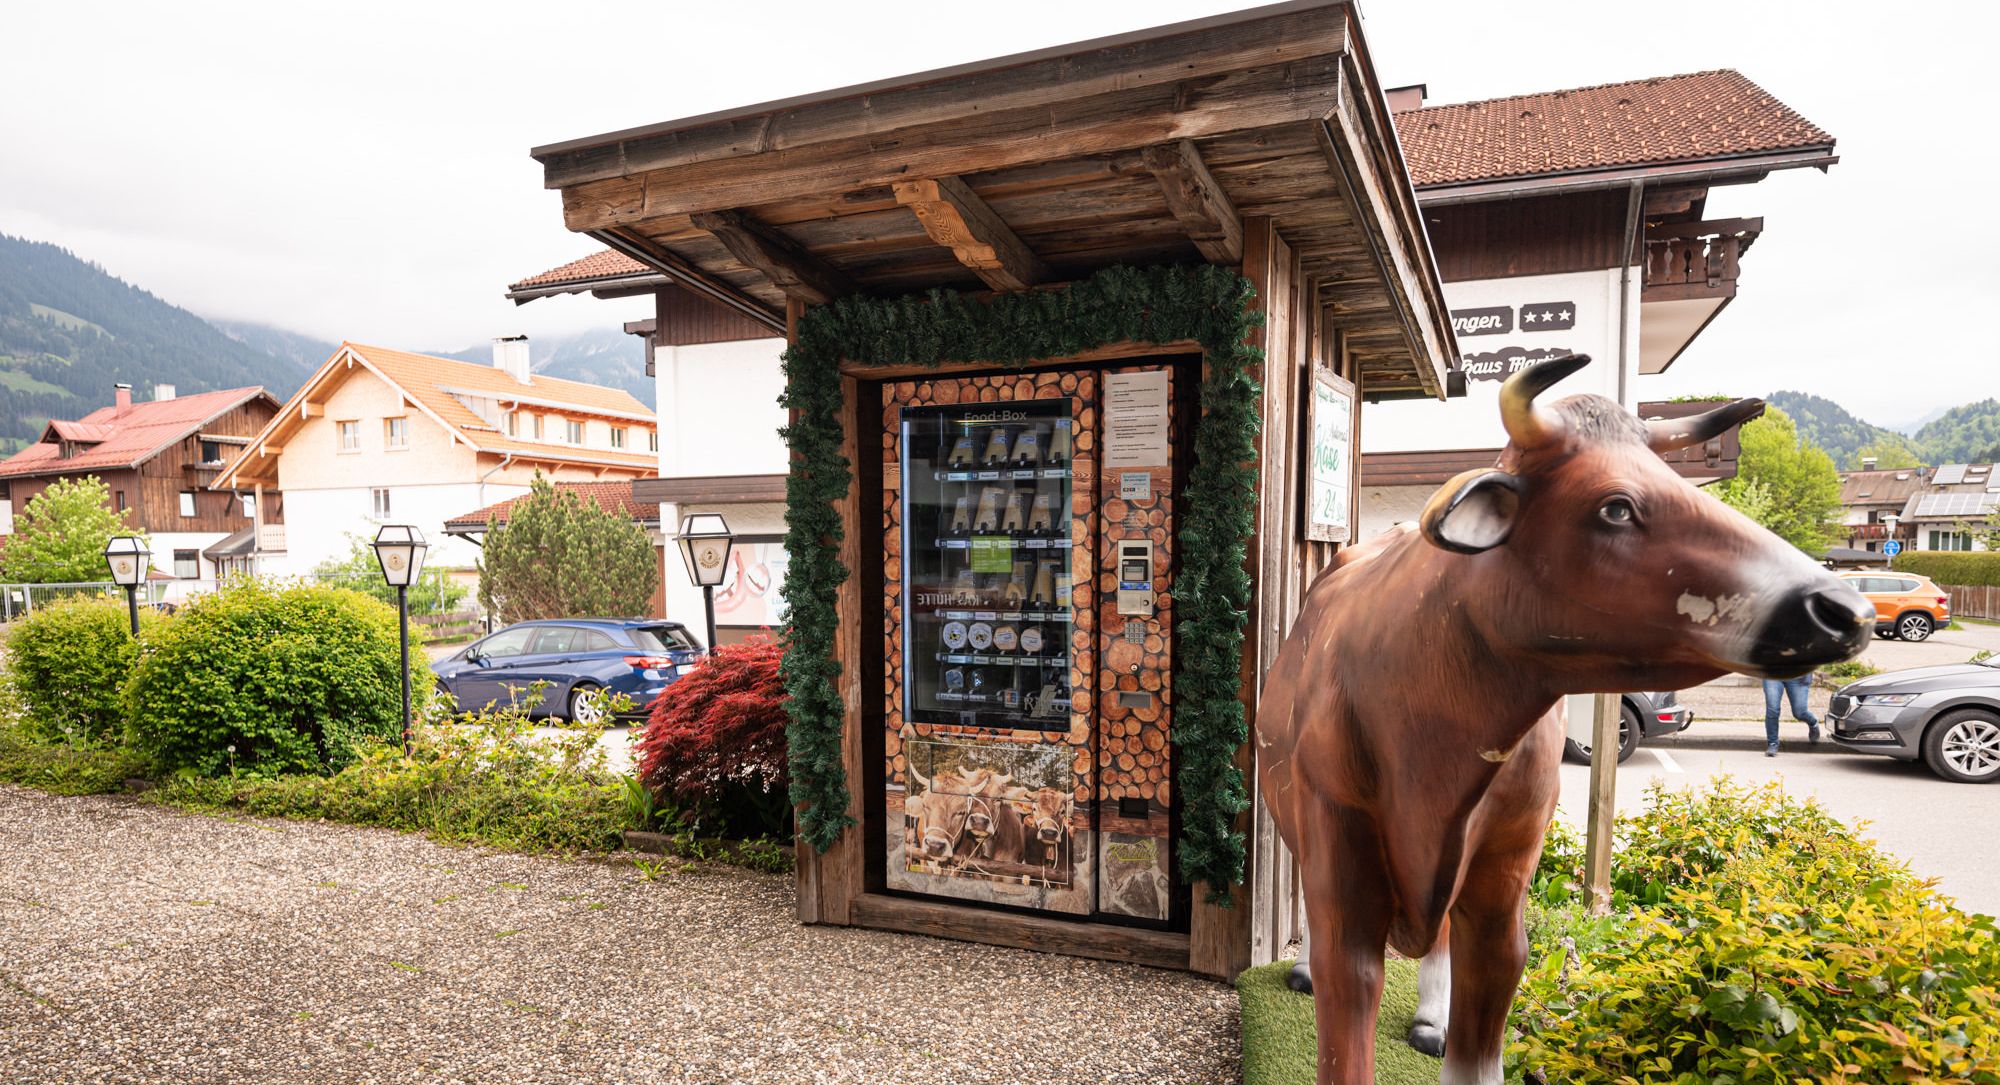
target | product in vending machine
x=954, y=635
x=1013, y=521
x=1027, y=447
x=988, y=517
x=1016, y=591
x=1058, y=453
x=980, y=636
x=1047, y=497
x=1031, y=639
x=1062, y=585
x=996, y=448
x=1005, y=638
x=978, y=688
x=1043, y=595
x=961, y=450
x=954, y=680
x=961, y=514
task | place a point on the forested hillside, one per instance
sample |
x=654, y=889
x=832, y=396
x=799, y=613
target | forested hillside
x=1966, y=434
x=69, y=331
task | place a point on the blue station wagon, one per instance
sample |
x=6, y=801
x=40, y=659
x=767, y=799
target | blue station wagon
x=582, y=660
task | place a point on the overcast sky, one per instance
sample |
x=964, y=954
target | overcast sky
x=360, y=170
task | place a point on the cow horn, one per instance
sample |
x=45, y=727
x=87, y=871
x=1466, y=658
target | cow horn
x=1674, y=434
x=1528, y=425
x=919, y=777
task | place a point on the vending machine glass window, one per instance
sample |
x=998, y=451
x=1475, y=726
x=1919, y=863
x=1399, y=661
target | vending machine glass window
x=986, y=551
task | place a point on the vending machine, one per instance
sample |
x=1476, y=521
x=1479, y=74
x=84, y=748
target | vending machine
x=1027, y=594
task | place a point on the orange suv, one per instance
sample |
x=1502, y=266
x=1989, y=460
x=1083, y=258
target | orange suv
x=1906, y=605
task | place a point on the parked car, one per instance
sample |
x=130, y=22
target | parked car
x=1644, y=715
x=1947, y=717
x=583, y=660
x=1907, y=606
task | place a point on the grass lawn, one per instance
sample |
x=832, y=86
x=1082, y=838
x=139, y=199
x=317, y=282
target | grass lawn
x=1278, y=1043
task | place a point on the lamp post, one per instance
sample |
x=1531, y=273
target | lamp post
x=128, y=557
x=705, y=542
x=400, y=548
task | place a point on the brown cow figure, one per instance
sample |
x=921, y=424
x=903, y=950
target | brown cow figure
x=1407, y=735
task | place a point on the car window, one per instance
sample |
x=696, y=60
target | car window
x=661, y=638
x=592, y=640
x=1904, y=585
x=507, y=642
x=1873, y=585
x=555, y=638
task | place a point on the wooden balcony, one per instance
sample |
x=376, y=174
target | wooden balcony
x=1689, y=261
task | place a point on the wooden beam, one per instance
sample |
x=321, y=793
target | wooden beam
x=954, y=216
x=1197, y=200
x=790, y=268
x=653, y=254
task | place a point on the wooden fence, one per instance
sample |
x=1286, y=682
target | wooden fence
x=437, y=627
x=1968, y=601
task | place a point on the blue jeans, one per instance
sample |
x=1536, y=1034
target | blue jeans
x=1796, y=689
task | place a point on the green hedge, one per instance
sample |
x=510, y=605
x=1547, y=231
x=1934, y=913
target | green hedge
x=1963, y=568
x=265, y=679
x=70, y=661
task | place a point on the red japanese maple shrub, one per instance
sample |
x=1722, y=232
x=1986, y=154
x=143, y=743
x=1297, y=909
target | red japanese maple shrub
x=715, y=744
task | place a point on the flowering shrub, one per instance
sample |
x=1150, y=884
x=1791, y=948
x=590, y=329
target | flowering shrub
x=715, y=743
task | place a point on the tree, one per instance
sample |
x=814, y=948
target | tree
x=435, y=592
x=1888, y=455
x=59, y=537
x=559, y=556
x=1787, y=484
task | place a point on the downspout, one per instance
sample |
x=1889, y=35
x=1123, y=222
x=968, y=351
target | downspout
x=1634, y=200
x=506, y=461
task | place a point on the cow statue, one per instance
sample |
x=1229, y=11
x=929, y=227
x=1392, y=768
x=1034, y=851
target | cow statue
x=1408, y=734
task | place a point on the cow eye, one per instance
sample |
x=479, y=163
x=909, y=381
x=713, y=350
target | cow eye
x=1617, y=512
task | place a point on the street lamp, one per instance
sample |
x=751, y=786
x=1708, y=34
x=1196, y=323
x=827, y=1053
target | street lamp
x=705, y=541
x=400, y=548
x=127, y=555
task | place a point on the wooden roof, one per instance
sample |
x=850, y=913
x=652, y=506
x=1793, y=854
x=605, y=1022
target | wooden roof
x=1040, y=168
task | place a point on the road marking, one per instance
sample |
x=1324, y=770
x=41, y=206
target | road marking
x=1666, y=759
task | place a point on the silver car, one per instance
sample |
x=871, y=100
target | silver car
x=1948, y=717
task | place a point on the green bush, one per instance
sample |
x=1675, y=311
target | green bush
x=1758, y=940
x=70, y=661
x=1972, y=569
x=267, y=680
x=64, y=768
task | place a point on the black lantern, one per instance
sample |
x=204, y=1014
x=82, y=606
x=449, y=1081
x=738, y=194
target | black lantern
x=128, y=558
x=705, y=544
x=400, y=549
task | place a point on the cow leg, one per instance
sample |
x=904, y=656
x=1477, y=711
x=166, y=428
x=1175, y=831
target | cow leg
x=1347, y=913
x=1300, y=978
x=1489, y=948
x=1433, y=996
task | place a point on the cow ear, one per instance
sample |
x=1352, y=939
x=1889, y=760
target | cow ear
x=1473, y=512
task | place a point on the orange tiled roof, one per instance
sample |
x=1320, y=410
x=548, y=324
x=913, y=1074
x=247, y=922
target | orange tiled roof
x=608, y=264
x=1667, y=119
x=119, y=440
x=614, y=497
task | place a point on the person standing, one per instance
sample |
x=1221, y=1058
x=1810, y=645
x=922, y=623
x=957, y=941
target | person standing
x=1797, y=689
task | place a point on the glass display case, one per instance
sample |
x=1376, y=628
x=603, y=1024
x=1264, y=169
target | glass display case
x=986, y=564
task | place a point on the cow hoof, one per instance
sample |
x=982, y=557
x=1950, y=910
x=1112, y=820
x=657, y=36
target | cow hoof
x=1300, y=979
x=1427, y=1038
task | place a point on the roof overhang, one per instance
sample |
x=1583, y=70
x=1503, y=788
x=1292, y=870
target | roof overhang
x=1040, y=168
x=604, y=286
x=1730, y=170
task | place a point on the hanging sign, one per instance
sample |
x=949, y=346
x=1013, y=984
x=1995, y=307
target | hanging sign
x=1329, y=459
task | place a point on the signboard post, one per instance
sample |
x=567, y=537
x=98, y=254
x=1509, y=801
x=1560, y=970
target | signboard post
x=1329, y=460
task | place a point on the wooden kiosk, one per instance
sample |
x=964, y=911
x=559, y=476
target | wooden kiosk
x=1050, y=525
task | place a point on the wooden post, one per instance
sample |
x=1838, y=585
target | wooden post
x=1603, y=799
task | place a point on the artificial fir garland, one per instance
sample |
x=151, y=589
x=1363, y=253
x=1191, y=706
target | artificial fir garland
x=1207, y=304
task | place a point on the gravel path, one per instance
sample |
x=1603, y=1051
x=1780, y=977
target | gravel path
x=144, y=945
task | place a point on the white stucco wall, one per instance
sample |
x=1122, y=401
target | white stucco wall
x=318, y=522
x=1383, y=507
x=164, y=543
x=719, y=412
x=757, y=527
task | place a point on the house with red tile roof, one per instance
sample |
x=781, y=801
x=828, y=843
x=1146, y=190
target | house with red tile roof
x=161, y=460
x=1575, y=221
x=379, y=436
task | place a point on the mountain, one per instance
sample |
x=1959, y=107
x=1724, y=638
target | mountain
x=1968, y=434
x=297, y=348
x=1964, y=434
x=69, y=330
x=1828, y=425
x=606, y=356
x=1910, y=428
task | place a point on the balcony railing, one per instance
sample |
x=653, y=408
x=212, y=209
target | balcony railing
x=1690, y=260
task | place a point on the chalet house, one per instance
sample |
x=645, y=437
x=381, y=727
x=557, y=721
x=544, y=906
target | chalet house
x=1574, y=221
x=718, y=387
x=1872, y=504
x=385, y=436
x=1950, y=511
x=160, y=460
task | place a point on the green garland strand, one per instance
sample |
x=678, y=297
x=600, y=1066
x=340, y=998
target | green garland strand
x=1207, y=304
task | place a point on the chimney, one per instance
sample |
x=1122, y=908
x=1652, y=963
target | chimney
x=510, y=355
x=1404, y=99
x=121, y=395
x=162, y=392
x=1868, y=463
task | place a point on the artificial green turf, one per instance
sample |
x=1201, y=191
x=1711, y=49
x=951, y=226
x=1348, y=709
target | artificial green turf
x=1278, y=1043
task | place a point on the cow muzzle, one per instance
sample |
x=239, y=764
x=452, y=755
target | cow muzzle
x=1822, y=622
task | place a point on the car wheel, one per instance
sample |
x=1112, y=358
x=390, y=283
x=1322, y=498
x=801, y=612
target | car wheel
x=1914, y=627
x=586, y=705
x=1964, y=746
x=1578, y=753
